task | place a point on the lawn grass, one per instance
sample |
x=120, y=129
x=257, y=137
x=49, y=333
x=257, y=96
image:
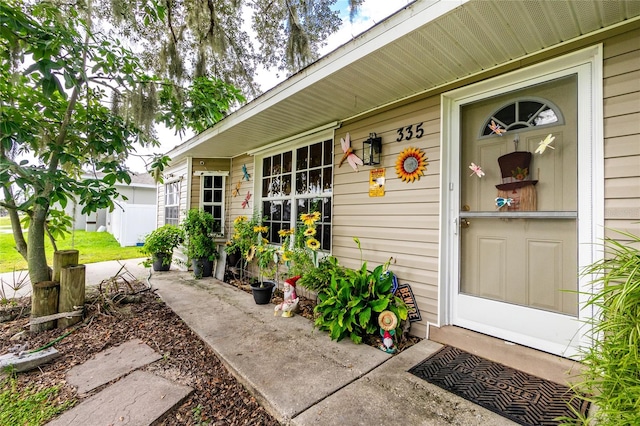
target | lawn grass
x=93, y=247
x=5, y=222
x=28, y=406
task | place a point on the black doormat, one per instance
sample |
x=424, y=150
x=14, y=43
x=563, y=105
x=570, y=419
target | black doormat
x=518, y=396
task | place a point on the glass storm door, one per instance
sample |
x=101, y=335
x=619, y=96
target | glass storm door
x=518, y=222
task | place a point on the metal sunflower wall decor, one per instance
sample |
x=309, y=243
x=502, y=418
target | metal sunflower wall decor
x=411, y=164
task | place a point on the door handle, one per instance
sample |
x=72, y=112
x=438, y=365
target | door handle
x=464, y=223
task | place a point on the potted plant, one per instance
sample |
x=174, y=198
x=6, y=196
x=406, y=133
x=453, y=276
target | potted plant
x=198, y=226
x=244, y=237
x=267, y=260
x=159, y=245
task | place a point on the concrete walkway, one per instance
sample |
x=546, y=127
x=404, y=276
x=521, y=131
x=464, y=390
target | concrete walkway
x=302, y=377
x=296, y=372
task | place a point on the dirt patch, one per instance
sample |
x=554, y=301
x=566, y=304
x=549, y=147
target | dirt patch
x=218, y=397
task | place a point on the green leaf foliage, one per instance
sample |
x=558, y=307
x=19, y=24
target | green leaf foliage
x=349, y=305
x=78, y=104
x=28, y=406
x=611, y=378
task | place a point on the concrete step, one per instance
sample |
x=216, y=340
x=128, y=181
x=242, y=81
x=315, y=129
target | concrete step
x=138, y=399
x=110, y=364
x=541, y=364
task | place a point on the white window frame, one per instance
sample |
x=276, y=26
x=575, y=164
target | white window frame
x=167, y=185
x=221, y=203
x=293, y=146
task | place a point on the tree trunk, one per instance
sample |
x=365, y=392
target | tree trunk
x=62, y=258
x=44, y=302
x=36, y=256
x=72, y=292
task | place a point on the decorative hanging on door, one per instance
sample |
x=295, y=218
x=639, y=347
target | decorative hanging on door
x=544, y=144
x=411, y=164
x=517, y=191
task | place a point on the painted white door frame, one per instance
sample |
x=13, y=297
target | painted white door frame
x=587, y=64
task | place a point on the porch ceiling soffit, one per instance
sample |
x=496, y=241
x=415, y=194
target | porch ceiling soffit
x=423, y=46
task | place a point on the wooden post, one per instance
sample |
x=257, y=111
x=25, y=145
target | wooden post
x=44, y=302
x=72, y=292
x=62, y=258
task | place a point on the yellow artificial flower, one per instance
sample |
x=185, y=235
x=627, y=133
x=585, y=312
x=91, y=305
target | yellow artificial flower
x=411, y=164
x=252, y=252
x=286, y=256
x=286, y=232
x=261, y=229
x=313, y=244
x=240, y=219
x=310, y=218
x=310, y=232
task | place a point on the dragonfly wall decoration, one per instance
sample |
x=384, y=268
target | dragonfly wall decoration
x=245, y=173
x=245, y=203
x=477, y=170
x=495, y=128
x=501, y=202
x=546, y=143
x=236, y=190
x=353, y=160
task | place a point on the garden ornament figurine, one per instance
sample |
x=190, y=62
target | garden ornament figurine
x=388, y=321
x=290, y=299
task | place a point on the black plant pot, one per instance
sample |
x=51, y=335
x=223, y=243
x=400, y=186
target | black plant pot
x=262, y=294
x=202, y=267
x=233, y=259
x=159, y=261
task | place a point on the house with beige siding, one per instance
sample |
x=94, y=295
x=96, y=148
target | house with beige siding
x=510, y=144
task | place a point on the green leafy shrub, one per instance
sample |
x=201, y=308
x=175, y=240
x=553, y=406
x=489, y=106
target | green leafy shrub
x=350, y=305
x=162, y=241
x=319, y=278
x=612, y=375
x=198, y=226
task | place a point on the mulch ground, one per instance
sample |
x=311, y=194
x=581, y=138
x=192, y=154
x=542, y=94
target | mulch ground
x=218, y=398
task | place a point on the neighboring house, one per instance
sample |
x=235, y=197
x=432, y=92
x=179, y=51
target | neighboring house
x=446, y=78
x=131, y=219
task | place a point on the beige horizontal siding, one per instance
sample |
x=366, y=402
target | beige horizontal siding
x=234, y=204
x=621, y=84
x=623, y=146
x=621, y=109
x=211, y=165
x=404, y=223
x=628, y=187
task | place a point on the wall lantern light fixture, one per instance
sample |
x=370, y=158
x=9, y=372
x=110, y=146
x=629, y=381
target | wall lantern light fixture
x=371, y=149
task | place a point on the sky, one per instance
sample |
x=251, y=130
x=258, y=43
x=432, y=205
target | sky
x=370, y=13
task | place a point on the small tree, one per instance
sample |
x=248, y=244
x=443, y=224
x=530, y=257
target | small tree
x=56, y=79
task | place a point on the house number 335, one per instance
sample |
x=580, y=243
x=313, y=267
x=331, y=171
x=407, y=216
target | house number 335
x=408, y=132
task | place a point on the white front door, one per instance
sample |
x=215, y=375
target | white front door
x=518, y=260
